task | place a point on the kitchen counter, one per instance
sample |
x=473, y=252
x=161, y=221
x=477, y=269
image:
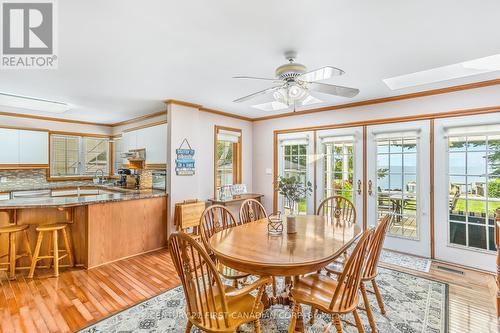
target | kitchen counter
x=118, y=194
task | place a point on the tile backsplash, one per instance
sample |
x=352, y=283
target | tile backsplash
x=32, y=179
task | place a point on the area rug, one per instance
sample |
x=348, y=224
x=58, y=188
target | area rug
x=413, y=305
x=406, y=260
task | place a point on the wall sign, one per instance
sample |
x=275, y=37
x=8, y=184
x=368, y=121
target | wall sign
x=184, y=164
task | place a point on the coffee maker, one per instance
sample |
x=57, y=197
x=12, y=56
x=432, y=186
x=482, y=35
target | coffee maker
x=123, y=173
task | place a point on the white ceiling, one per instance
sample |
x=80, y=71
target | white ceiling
x=119, y=59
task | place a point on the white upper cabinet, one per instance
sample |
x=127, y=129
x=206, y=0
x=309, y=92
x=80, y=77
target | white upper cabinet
x=33, y=147
x=24, y=147
x=9, y=138
x=153, y=139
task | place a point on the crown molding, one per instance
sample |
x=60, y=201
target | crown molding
x=140, y=118
x=61, y=120
x=203, y=109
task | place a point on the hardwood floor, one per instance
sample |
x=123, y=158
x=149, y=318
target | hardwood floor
x=79, y=297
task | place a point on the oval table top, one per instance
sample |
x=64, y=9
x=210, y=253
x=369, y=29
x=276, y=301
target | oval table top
x=250, y=248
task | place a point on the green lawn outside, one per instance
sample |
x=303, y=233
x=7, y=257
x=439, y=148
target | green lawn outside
x=477, y=206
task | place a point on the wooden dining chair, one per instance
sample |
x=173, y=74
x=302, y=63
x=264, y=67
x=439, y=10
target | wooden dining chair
x=214, y=219
x=210, y=305
x=370, y=272
x=252, y=210
x=335, y=297
x=339, y=208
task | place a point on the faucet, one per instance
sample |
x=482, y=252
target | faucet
x=99, y=179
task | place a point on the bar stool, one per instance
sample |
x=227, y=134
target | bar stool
x=12, y=231
x=53, y=230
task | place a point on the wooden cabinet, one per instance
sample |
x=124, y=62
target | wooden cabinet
x=153, y=139
x=24, y=147
x=33, y=147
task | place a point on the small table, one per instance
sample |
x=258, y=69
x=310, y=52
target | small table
x=235, y=199
x=249, y=248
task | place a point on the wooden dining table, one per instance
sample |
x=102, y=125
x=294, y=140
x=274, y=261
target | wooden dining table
x=250, y=248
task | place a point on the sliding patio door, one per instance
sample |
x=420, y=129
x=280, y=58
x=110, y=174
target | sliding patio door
x=296, y=159
x=339, y=166
x=467, y=183
x=398, y=181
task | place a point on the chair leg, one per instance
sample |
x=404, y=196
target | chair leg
x=256, y=325
x=188, y=326
x=12, y=255
x=235, y=283
x=56, y=252
x=359, y=325
x=67, y=244
x=313, y=315
x=27, y=245
x=275, y=290
x=36, y=254
x=50, y=248
x=379, y=296
x=338, y=323
x=369, y=313
x=293, y=322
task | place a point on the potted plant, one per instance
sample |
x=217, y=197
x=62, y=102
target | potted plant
x=293, y=191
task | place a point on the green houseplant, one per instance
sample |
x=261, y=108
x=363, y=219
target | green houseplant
x=293, y=191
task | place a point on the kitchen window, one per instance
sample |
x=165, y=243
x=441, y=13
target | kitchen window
x=227, y=156
x=78, y=156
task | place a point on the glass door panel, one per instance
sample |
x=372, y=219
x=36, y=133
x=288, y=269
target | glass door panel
x=296, y=159
x=340, y=166
x=467, y=173
x=398, y=183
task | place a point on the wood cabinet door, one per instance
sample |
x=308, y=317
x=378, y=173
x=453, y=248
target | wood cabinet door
x=33, y=147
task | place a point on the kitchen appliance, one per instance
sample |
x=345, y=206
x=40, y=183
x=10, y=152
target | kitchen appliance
x=122, y=173
x=135, y=155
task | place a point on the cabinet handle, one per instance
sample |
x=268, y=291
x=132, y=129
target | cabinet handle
x=370, y=184
x=359, y=186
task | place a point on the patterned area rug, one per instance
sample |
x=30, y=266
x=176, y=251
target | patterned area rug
x=406, y=261
x=413, y=305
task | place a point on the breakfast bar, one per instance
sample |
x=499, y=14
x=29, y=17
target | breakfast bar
x=104, y=227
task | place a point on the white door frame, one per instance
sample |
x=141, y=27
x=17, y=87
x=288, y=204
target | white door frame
x=481, y=259
x=421, y=245
x=357, y=134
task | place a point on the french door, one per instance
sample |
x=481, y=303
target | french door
x=467, y=189
x=398, y=181
x=339, y=166
x=296, y=159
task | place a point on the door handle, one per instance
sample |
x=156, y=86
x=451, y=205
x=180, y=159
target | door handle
x=359, y=186
x=370, y=185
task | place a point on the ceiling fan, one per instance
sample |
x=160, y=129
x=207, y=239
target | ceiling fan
x=295, y=84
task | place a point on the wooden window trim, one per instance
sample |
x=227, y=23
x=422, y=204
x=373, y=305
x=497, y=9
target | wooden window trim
x=78, y=177
x=237, y=155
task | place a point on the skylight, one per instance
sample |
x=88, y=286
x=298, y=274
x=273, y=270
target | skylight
x=449, y=72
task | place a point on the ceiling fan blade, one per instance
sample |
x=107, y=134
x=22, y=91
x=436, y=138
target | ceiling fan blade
x=333, y=90
x=259, y=93
x=271, y=106
x=255, y=78
x=320, y=74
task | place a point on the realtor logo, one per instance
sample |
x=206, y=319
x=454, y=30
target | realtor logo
x=28, y=34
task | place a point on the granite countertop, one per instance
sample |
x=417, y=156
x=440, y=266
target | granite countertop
x=114, y=194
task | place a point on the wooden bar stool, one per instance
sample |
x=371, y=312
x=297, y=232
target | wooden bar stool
x=53, y=230
x=12, y=231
